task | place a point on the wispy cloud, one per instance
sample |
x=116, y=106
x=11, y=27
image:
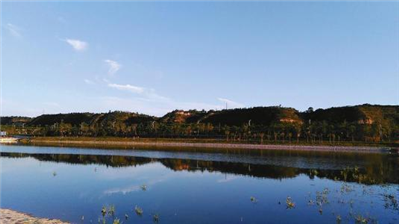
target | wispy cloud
x=14, y=30
x=78, y=45
x=130, y=88
x=230, y=103
x=89, y=82
x=113, y=66
x=146, y=93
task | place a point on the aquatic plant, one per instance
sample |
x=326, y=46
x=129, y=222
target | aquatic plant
x=138, y=210
x=322, y=197
x=290, y=203
x=346, y=188
x=111, y=210
x=339, y=219
x=116, y=221
x=391, y=201
x=155, y=218
x=104, y=211
x=360, y=219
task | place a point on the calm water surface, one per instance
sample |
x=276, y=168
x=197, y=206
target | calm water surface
x=73, y=184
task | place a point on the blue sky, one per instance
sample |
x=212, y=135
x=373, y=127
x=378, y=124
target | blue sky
x=155, y=57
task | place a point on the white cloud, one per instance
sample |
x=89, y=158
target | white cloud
x=113, y=66
x=230, y=103
x=130, y=88
x=89, y=82
x=146, y=94
x=14, y=30
x=78, y=45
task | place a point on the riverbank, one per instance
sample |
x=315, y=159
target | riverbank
x=8, y=216
x=8, y=140
x=188, y=144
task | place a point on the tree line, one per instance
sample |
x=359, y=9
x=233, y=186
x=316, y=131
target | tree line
x=285, y=125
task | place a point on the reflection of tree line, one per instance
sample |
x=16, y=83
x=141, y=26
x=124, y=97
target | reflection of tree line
x=380, y=169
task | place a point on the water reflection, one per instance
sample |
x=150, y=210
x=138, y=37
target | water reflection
x=361, y=168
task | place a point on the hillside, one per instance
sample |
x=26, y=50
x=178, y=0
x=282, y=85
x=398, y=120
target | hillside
x=361, y=123
x=72, y=118
x=366, y=113
x=256, y=116
x=76, y=119
x=14, y=120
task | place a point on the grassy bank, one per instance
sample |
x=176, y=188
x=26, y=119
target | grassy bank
x=159, y=143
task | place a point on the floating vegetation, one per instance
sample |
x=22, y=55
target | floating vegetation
x=138, y=210
x=155, y=218
x=111, y=210
x=346, y=188
x=290, y=203
x=338, y=219
x=390, y=201
x=143, y=187
x=104, y=211
x=322, y=197
x=360, y=219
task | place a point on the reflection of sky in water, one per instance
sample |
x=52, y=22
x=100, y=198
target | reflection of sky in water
x=28, y=185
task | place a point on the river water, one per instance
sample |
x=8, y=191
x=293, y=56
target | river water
x=229, y=186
